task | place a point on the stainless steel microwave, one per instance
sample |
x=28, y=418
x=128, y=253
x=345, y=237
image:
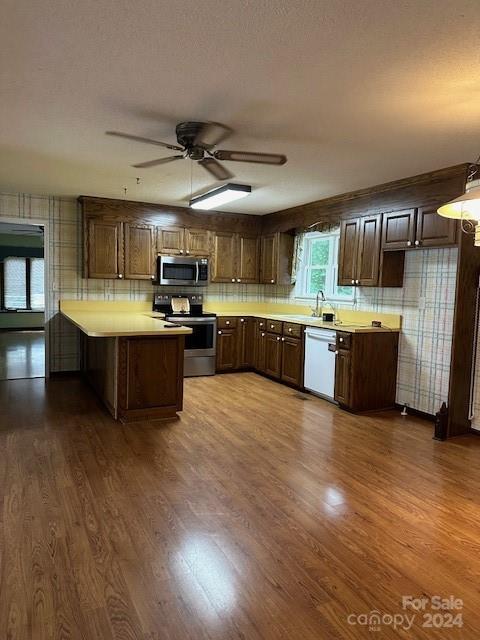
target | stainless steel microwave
x=179, y=270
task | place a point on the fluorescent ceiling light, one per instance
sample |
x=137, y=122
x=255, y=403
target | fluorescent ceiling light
x=216, y=197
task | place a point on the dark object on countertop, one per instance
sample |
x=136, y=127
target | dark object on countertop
x=376, y=323
x=441, y=421
x=327, y=317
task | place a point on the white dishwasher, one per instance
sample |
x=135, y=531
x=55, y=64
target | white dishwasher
x=319, y=374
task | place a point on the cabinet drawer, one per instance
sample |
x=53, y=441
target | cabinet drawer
x=274, y=326
x=227, y=323
x=260, y=324
x=292, y=329
x=344, y=340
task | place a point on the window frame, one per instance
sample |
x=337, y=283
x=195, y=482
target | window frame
x=28, y=287
x=331, y=280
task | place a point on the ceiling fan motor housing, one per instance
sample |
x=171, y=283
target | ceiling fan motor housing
x=187, y=133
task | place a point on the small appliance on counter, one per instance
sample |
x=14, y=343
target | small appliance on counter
x=328, y=317
x=180, y=270
x=200, y=345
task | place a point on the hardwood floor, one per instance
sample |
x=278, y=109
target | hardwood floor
x=261, y=514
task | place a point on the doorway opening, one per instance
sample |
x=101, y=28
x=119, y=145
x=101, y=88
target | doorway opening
x=22, y=301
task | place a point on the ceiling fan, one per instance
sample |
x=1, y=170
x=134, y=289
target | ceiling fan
x=196, y=140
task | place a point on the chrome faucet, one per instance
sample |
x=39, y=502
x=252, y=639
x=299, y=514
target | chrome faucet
x=320, y=296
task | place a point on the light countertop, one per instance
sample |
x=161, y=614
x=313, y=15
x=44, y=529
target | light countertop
x=103, y=324
x=311, y=321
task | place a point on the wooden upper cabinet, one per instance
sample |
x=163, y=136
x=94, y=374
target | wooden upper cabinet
x=368, y=252
x=276, y=253
x=268, y=258
x=248, y=249
x=171, y=240
x=348, y=254
x=198, y=242
x=139, y=251
x=434, y=230
x=399, y=229
x=224, y=257
x=104, y=249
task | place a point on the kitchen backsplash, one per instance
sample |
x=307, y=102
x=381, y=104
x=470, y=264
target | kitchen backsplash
x=425, y=301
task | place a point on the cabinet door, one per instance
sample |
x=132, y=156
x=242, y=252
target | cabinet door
x=273, y=355
x=369, y=240
x=398, y=229
x=198, y=242
x=268, y=259
x=433, y=230
x=342, y=377
x=226, y=349
x=348, y=254
x=139, y=251
x=224, y=257
x=171, y=241
x=260, y=342
x=245, y=331
x=248, y=258
x=104, y=249
x=292, y=361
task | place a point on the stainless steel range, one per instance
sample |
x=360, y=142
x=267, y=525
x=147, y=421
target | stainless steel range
x=200, y=345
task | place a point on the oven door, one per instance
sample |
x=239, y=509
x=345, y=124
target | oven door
x=202, y=340
x=178, y=271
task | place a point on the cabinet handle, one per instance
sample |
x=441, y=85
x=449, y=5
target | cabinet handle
x=357, y=281
x=219, y=333
x=187, y=252
x=227, y=321
x=152, y=277
x=261, y=324
x=272, y=326
x=340, y=339
x=290, y=330
x=238, y=280
x=283, y=339
x=233, y=279
x=417, y=243
x=278, y=338
x=336, y=353
x=242, y=319
x=120, y=275
x=272, y=281
x=263, y=335
x=409, y=243
x=181, y=250
x=353, y=281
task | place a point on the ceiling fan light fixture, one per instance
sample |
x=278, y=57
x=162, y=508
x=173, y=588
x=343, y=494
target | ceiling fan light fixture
x=220, y=196
x=465, y=207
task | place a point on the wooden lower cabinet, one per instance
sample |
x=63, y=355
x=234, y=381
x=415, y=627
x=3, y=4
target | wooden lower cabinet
x=292, y=361
x=259, y=349
x=120, y=371
x=245, y=343
x=227, y=349
x=366, y=370
x=273, y=355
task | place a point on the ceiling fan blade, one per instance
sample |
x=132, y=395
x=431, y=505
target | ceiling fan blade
x=249, y=156
x=212, y=134
x=128, y=136
x=215, y=169
x=154, y=163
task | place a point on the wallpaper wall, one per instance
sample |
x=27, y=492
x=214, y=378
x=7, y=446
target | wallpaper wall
x=426, y=301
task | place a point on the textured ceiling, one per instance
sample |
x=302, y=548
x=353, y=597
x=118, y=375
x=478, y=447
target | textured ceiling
x=356, y=93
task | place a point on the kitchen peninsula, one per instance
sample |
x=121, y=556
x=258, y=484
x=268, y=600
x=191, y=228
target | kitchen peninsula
x=131, y=357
